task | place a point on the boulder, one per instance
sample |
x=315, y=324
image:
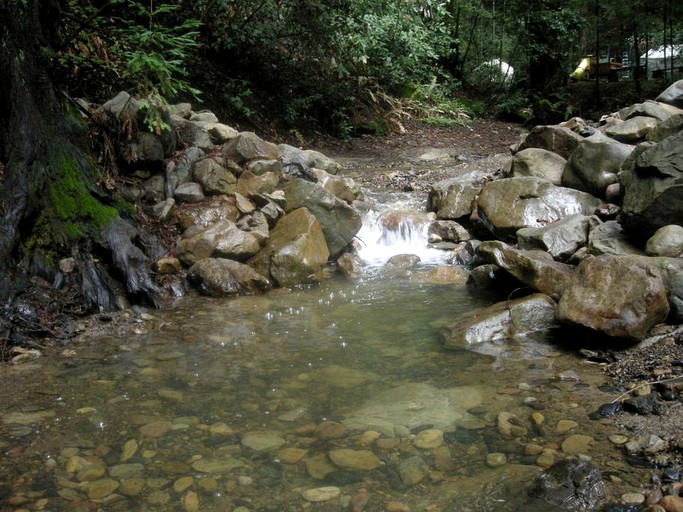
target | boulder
x=182, y=173
x=247, y=146
x=507, y=205
x=672, y=95
x=250, y=184
x=338, y=220
x=339, y=186
x=221, y=133
x=594, y=164
x=465, y=254
x=609, y=238
x=214, y=178
x=619, y=296
x=451, y=199
x=218, y=277
x=653, y=189
x=676, y=298
x=449, y=230
x=533, y=268
x=483, y=330
x=221, y=240
x=667, y=241
x=633, y=130
x=321, y=161
x=296, y=251
x=560, y=239
x=207, y=213
x=191, y=133
x=665, y=129
x=189, y=192
x=659, y=111
x=556, y=139
x=260, y=167
x=205, y=116
x=539, y=163
x=568, y=485
x=257, y=225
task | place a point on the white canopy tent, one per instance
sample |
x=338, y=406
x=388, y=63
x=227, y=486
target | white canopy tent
x=656, y=58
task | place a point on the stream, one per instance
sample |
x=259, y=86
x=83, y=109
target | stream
x=338, y=396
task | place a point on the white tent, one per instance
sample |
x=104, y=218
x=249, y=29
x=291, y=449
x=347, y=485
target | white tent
x=655, y=57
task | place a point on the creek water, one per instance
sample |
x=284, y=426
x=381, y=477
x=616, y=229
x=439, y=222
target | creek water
x=248, y=403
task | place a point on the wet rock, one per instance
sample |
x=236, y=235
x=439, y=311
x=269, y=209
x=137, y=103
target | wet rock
x=428, y=439
x=218, y=277
x=414, y=405
x=250, y=185
x=653, y=189
x=349, y=264
x=465, y=255
x=321, y=494
x=291, y=455
x=101, y=488
x=633, y=130
x=535, y=269
x=296, y=251
x=412, y=470
x=319, y=466
x=508, y=425
x=564, y=426
x=339, y=186
x=168, y=265
x=667, y=241
x=215, y=466
x=646, y=404
x=214, y=178
x=447, y=276
x=507, y=205
x=163, y=209
x=262, y=441
x=619, y=296
x=247, y=146
x=203, y=215
x=557, y=139
x=402, y=261
x=449, y=230
x=672, y=95
x=594, y=164
x=451, y=199
x=570, y=485
x=485, y=330
x=221, y=240
x=495, y=460
x=609, y=238
x=577, y=444
x=125, y=470
x=156, y=429
x=132, y=486
x=354, y=459
x=650, y=444
x=539, y=163
x=560, y=239
x=339, y=222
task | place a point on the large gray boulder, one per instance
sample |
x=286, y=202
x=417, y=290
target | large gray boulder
x=557, y=139
x=486, y=330
x=218, y=277
x=539, y=163
x=220, y=240
x=296, y=251
x=507, y=205
x=451, y=199
x=620, y=296
x=633, y=130
x=665, y=129
x=667, y=241
x=560, y=239
x=339, y=186
x=248, y=146
x=214, y=178
x=653, y=189
x=338, y=220
x=672, y=95
x=659, y=111
x=594, y=164
x=533, y=268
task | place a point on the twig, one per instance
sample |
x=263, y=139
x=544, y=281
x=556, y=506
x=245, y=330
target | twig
x=645, y=384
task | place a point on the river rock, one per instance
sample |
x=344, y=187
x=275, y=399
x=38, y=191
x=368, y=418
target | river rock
x=557, y=139
x=633, y=130
x=485, y=330
x=649, y=108
x=534, y=268
x=449, y=230
x=339, y=186
x=321, y=494
x=452, y=199
x=619, y=296
x=101, y=488
x=217, y=466
x=507, y=205
x=412, y=470
x=189, y=192
x=569, y=485
x=428, y=439
x=560, y=239
x=247, y=146
x=667, y=241
x=339, y=222
x=250, y=185
x=594, y=164
x=222, y=240
x=609, y=238
x=354, y=459
x=653, y=189
x=402, y=261
x=577, y=444
x=539, y=163
x=415, y=404
x=262, y=441
x=672, y=95
x=646, y=404
x=219, y=277
x=214, y=178
x=207, y=213
x=296, y=251
x=120, y=471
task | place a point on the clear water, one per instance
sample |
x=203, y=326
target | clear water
x=209, y=373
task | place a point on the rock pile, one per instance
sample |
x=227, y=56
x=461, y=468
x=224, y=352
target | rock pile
x=588, y=214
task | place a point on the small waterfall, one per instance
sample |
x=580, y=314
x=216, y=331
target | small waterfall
x=396, y=224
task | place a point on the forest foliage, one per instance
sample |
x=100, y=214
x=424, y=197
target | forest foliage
x=340, y=65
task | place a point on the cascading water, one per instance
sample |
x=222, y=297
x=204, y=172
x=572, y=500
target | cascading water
x=394, y=224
